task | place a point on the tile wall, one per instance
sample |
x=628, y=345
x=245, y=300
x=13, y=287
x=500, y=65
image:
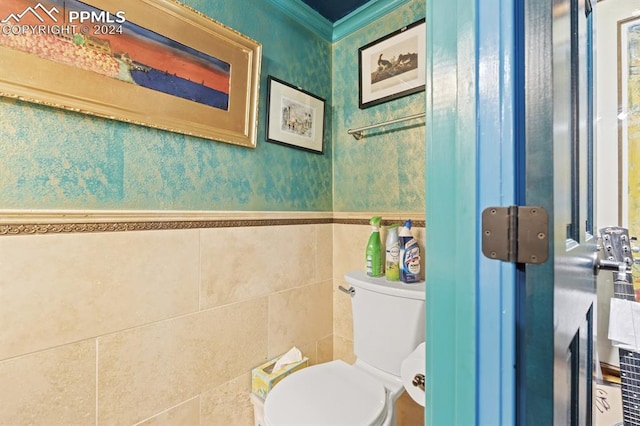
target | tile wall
x=156, y=326
x=163, y=327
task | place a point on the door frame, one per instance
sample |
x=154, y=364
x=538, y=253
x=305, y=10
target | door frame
x=469, y=135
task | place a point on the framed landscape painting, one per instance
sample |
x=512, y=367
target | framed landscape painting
x=158, y=64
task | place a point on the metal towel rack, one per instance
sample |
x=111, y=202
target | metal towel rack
x=357, y=133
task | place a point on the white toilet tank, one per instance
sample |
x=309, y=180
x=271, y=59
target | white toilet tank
x=388, y=320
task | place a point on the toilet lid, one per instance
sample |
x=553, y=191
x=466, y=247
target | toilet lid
x=333, y=394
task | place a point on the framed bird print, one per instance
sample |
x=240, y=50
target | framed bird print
x=393, y=66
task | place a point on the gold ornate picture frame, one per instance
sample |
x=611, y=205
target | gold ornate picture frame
x=154, y=63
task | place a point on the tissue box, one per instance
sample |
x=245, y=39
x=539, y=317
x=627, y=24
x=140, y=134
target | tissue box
x=263, y=378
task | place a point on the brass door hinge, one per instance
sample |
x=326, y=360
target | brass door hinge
x=516, y=234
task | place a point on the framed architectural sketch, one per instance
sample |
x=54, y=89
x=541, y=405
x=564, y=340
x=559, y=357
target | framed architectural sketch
x=158, y=64
x=294, y=117
x=393, y=66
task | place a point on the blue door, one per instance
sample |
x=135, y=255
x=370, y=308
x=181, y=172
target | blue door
x=526, y=61
x=556, y=299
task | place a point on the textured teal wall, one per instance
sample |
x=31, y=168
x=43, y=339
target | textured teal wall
x=54, y=159
x=384, y=172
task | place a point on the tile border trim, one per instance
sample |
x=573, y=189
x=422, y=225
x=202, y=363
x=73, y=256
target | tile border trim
x=417, y=223
x=16, y=222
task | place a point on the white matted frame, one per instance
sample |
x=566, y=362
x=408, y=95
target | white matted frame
x=393, y=66
x=295, y=117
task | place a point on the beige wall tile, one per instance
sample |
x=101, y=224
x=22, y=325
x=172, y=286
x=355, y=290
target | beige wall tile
x=325, y=350
x=229, y=404
x=299, y=316
x=350, y=243
x=349, y=246
x=160, y=361
x=58, y=289
x=342, y=314
x=343, y=349
x=324, y=254
x=243, y=263
x=53, y=387
x=145, y=370
x=319, y=351
x=309, y=350
x=187, y=413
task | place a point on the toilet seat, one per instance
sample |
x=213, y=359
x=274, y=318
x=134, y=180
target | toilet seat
x=334, y=393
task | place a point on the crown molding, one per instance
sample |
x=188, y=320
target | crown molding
x=359, y=18
x=363, y=16
x=300, y=12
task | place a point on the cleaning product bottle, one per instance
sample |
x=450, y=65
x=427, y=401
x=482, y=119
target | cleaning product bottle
x=374, y=249
x=409, y=255
x=392, y=248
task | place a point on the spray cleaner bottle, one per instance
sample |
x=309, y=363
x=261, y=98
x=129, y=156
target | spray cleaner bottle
x=392, y=248
x=409, y=255
x=374, y=249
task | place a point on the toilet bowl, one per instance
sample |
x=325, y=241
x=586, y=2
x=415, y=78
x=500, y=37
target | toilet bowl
x=388, y=325
x=334, y=393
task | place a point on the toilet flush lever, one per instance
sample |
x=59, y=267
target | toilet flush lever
x=418, y=381
x=350, y=291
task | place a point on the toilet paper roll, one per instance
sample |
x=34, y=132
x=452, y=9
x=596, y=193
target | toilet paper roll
x=412, y=365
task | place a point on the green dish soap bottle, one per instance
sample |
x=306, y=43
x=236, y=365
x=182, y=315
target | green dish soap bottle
x=374, y=249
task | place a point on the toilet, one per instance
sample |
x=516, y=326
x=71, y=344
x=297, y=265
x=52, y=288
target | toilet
x=388, y=324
